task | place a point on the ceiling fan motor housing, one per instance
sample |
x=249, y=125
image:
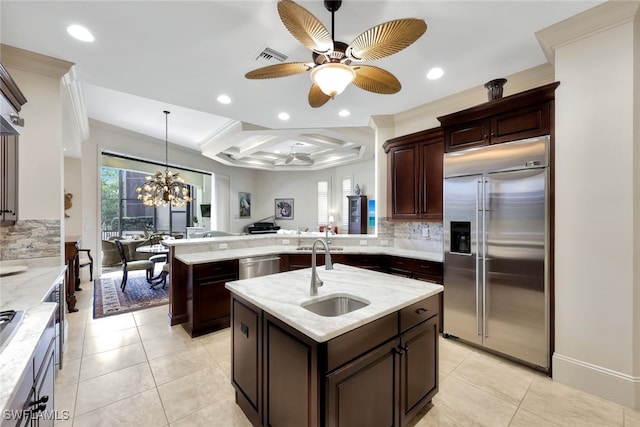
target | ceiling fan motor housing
x=332, y=5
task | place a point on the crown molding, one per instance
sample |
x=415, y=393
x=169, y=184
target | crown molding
x=597, y=19
x=34, y=62
x=76, y=96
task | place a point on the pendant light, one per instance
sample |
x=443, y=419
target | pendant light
x=166, y=187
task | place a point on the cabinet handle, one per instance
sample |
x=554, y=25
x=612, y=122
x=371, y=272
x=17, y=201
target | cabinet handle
x=406, y=349
x=43, y=399
x=398, y=350
x=485, y=136
x=421, y=310
x=425, y=266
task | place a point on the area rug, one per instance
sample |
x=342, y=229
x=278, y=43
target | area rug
x=108, y=298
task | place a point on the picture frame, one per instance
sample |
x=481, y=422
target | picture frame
x=244, y=204
x=284, y=208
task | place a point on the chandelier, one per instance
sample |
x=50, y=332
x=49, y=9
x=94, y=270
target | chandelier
x=164, y=187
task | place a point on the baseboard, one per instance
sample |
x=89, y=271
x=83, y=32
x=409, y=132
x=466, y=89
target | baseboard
x=602, y=382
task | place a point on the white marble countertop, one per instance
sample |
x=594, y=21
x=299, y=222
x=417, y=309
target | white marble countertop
x=281, y=295
x=24, y=291
x=226, y=254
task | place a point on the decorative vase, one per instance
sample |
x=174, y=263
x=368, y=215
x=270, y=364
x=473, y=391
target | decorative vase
x=494, y=88
x=356, y=190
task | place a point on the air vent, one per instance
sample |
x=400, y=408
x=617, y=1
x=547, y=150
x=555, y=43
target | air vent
x=270, y=56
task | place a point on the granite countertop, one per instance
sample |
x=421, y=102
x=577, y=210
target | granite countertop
x=24, y=291
x=281, y=295
x=226, y=254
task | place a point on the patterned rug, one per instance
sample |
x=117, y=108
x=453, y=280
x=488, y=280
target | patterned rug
x=108, y=299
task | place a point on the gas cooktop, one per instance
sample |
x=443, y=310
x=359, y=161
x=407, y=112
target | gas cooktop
x=9, y=322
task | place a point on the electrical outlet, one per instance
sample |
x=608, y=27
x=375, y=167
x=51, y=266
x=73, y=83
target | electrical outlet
x=285, y=241
x=363, y=243
x=425, y=232
x=223, y=246
x=384, y=242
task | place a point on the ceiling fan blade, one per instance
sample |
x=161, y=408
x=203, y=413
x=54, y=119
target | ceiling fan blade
x=289, y=159
x=305, y=27
x=279, y=70
x=317, y=98
x=386, y=39
x=375, y=79
x=303, y=157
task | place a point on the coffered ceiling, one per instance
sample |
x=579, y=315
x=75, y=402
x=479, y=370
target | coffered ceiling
x=151, y=56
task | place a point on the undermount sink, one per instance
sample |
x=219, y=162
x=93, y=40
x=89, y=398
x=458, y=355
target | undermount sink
x=308, y=248
x=335, y=305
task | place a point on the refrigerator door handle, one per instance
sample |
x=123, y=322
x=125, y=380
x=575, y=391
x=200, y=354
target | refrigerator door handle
x=485, y=209
x=479, y=254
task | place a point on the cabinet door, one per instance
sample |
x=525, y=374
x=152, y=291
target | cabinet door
x=365, y=391
x=44, y=390
x=244, y=338
x=431, y=194
x=404, y=176
x=211, y=305
x=466, y=135
x=290, y=388
x=521, y=123
x=8, y=179
x=419, y=368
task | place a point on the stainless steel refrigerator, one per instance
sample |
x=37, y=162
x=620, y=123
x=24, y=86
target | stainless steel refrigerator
x=496, y=254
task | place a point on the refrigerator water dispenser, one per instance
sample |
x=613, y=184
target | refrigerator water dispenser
x=461, y=237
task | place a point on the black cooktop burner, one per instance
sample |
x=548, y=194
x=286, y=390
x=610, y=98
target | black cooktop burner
x=9, y=321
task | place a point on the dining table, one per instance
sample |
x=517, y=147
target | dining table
x=158, y=249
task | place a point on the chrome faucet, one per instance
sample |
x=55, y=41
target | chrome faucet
x=315, y=279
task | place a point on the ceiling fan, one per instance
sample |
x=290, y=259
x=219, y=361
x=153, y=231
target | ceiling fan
x=335, y=64
x=300, y=158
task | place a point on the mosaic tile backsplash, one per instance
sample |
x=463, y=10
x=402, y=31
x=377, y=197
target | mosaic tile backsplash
x=413, y=235
x=30, y=239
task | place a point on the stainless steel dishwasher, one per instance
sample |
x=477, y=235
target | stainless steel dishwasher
x=259, y=266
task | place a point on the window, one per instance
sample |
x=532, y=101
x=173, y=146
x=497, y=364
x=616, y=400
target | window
x=323, y=202
x=347, y=190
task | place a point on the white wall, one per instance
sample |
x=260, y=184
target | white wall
x=597, y=206
x=73, y=185
x=302, y=187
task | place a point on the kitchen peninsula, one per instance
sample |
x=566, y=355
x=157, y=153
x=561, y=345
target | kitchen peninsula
x=201, y=267
x=374, y=365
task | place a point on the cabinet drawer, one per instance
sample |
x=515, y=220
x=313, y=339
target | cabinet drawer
x=216, y=270
x=346, y=347
x=42, y=350
x=418, y=312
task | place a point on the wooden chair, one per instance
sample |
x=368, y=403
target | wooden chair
x=132, y=266
x=84, y=262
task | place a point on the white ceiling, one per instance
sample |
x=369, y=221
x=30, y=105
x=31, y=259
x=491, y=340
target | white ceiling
x=151, y=56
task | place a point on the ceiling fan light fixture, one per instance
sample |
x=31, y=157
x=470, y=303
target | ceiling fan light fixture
x=332, y=78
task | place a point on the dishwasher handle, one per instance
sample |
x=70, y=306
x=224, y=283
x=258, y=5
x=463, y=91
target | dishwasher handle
x=246, y=261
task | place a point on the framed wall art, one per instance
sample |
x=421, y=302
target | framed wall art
x=244, y=200
x=284, y=208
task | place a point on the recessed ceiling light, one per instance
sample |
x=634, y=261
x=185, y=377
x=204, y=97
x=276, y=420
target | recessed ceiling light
x=276, y=151
x=344, y=113
x=81, y=33
x=224, y=99
x=435, y=73
x=283, y=116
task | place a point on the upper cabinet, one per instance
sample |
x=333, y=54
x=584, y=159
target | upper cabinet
x=524, y=115
x=11, y=102
x=415, y=175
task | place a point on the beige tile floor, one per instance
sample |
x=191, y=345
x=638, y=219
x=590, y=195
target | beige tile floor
x=135, y=370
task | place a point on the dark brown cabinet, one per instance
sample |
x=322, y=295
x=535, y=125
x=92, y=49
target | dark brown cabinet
x=415, y=175
x=33, y=404
x=12, y=102
x=380, y=374
x=208, y=302
x=524, y=115
x=357, y=214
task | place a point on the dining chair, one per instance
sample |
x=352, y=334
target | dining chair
x=132, y=266
x=88, y=261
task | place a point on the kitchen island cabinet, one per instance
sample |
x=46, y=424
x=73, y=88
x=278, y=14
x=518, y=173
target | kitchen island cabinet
x=373, y=366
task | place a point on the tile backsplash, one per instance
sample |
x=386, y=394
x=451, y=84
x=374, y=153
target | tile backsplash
x=30, y=239
x=413, y=235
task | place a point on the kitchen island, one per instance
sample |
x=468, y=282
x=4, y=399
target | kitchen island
x=375, y=365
